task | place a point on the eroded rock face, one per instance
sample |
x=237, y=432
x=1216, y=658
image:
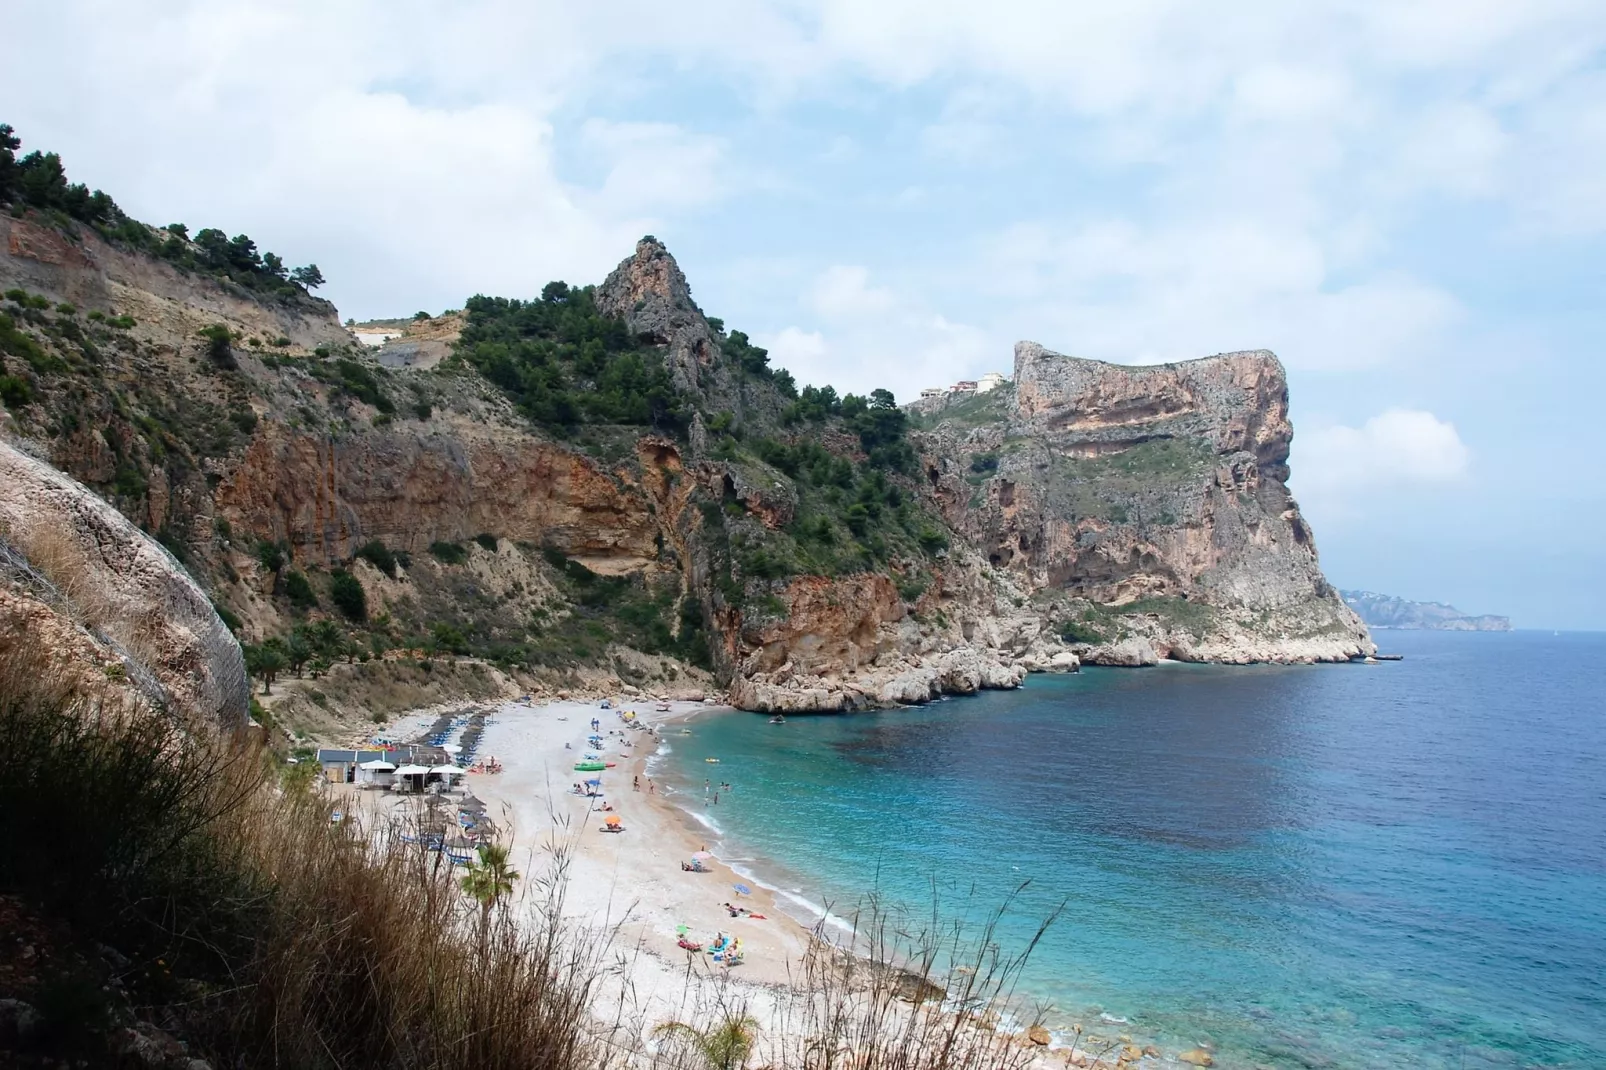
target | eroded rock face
x=327, y=497
x=1161, y=490
x=127, y=590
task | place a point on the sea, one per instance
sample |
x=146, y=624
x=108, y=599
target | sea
x=1339, y=866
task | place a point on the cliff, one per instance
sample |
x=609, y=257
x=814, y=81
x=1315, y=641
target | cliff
x=604, y=488
x=1148, y=506
x=1389, y=611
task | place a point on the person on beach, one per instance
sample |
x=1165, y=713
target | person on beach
x=651, y=788
x=635, y=783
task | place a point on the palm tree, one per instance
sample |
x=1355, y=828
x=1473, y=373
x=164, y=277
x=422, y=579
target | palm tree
x=725, y=1046
x=489, y=879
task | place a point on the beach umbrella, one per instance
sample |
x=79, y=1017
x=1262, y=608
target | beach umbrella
x=702, y=856
x=612, y=819
x=742, y=889
x=413, y=770
x=377, y=766
x=446, y=770
x=595, y=780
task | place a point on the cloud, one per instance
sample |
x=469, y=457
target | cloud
x=1336, y=466
x=1131, y=293
x=874, y=336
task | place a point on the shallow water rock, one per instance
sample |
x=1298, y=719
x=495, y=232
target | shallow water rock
x=1198, y=1057
x=1039, y=1036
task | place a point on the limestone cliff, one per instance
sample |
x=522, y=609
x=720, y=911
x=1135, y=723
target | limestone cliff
x=1149, y=505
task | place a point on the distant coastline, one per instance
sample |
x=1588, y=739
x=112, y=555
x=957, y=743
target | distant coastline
x=1388, y=612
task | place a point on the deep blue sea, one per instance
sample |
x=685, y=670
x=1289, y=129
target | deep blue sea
x=1346, y=866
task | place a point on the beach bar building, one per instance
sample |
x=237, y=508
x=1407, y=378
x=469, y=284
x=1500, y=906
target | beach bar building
x=378, y=773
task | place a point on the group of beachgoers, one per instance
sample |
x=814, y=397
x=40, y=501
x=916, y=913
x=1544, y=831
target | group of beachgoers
x=593, y=761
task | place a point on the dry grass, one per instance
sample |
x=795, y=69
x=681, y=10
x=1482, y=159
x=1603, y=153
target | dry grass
x=273, y=936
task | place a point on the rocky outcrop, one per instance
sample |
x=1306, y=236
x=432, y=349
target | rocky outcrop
x=1152, y=501
x=127, y=592
x=168, y=305
x=408, y=488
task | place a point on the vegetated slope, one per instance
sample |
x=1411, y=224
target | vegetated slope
x=1390, y=611
x=598, y=486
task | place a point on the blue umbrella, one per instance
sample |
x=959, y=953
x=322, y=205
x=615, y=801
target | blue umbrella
x=742, y=889
x=594, y=780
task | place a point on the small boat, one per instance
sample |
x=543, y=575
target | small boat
x=711, y=761
x=777, y=719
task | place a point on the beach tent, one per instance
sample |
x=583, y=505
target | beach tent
x=377, y=771
x=413, y=776
x=612, y=819
x=446, y=772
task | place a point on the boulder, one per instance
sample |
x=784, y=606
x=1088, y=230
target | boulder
x=1039, y=1035
x=1197, y=1057
x=1130, y=653
x=124, y=588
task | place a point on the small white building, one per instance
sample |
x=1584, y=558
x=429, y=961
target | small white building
x=933, y=392
x=965, y=386
x=990, y=381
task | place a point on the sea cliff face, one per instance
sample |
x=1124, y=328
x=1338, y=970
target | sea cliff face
x=1088, y=510
x=1150, y=505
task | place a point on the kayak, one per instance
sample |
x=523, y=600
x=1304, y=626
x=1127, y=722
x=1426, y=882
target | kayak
x=589, y=767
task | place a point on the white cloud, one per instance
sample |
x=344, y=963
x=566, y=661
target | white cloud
x=1336, y=466
x=874, y=336
x=1118, y=291
x=843, y=292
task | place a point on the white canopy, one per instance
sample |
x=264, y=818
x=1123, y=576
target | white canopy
x=378, y=765
x=413, y=770
x=449, y=770
x=451, y=748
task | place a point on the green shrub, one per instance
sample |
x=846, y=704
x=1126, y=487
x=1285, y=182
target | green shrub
x=379, y=555
x=220, y=346
x=15, y=391
x=299, y=590
x=346, y=592
x=448, y=553
x=487, y=541
x=1073, y=631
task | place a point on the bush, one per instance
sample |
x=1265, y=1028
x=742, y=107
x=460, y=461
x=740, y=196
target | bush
x=487, y=541
x=220, y=346
x=15, y=391
x=1073, y=631
x=448, y=553
x=347, y=594
x=379, y=555
x=299, y=590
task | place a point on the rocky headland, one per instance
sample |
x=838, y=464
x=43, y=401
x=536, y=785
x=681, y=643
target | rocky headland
x=693, y=521
x=1390, y=611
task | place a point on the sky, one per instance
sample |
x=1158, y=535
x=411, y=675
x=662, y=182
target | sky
x=1404, y=199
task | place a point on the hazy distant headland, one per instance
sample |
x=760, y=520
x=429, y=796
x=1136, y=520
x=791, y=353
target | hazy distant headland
x=1389, y=611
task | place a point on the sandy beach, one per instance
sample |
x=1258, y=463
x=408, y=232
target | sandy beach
x=625, y=890
x=628, y=885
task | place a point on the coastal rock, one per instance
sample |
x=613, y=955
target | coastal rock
x=1039, y=1035
x=1147, y=501
x=1197, y=1057
x=123, y=586
x=1128, y=652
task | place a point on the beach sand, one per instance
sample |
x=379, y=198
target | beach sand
x=630, y=884
x=627, y=889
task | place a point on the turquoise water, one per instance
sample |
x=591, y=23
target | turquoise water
x=1332, y=866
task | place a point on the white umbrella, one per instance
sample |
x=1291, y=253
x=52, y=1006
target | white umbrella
x=447, y=770
x=451, y=748
x=413, y=770
x=379, y=765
